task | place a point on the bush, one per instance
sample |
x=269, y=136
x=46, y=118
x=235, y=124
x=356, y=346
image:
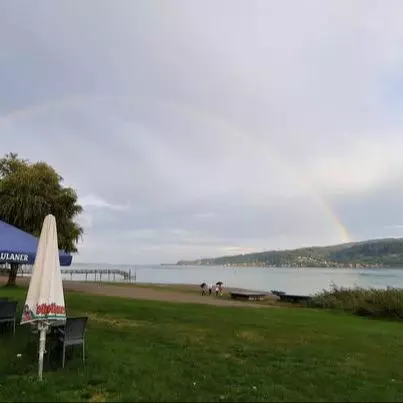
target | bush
x=371, y=302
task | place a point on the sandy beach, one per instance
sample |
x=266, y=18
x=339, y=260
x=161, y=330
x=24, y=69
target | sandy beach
x=180, y=293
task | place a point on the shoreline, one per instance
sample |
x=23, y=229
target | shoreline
x=179, y=293
x=190, y=287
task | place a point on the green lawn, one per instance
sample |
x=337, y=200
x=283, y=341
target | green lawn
x=156, y=351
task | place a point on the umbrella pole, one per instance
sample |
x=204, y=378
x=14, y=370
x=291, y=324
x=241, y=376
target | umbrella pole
x=42, y=343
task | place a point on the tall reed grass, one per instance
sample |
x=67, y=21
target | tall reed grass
x=378, y=303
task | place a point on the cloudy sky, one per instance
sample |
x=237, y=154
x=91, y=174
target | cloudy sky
x=203, y=128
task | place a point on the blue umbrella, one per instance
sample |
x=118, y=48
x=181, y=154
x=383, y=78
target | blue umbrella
x=17, y=246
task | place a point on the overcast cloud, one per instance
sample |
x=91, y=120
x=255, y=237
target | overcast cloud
x=203, y=128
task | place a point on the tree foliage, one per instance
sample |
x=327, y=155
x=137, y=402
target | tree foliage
x=30, y=191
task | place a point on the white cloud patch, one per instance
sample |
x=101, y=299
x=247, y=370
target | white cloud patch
x=362, y=166
x=85, y=220
x=92, y=201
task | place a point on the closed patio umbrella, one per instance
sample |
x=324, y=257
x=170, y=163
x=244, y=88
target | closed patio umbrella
x=45, y=299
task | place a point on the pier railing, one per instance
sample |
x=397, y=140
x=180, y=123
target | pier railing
x=90, y=274
x=107, y=274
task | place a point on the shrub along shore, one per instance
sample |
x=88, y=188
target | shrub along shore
x=376, y=303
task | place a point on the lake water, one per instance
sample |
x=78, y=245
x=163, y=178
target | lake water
x=290, y=280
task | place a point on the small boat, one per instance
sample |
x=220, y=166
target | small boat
x=277, y=293
x=294, y=298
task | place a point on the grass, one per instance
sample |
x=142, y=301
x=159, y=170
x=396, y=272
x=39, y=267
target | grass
x=377, y=303
x=157, y=351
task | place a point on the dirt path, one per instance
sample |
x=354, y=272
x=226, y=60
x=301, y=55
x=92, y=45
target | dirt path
x=148, y=293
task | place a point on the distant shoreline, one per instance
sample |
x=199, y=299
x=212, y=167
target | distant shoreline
x=240, y=266
x=372, y=254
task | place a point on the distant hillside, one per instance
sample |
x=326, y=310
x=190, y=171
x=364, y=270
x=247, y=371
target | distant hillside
x=373, y=253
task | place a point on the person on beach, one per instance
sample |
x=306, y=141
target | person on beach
x=217, y=289
x=203, y=287
x=210, y=289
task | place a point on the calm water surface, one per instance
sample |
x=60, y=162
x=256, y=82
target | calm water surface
x=290, y=280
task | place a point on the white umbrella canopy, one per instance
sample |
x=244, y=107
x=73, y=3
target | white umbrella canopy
x=45, y=299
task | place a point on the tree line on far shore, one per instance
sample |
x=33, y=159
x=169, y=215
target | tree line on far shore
x=371, y=253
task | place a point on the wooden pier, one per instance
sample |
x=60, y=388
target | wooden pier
x=109, y=274
x=92, y=274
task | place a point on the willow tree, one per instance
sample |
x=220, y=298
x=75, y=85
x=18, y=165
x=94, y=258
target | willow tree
x=31, y=191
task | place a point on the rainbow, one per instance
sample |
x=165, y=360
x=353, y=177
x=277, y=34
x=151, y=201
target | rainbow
x=233, y=133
